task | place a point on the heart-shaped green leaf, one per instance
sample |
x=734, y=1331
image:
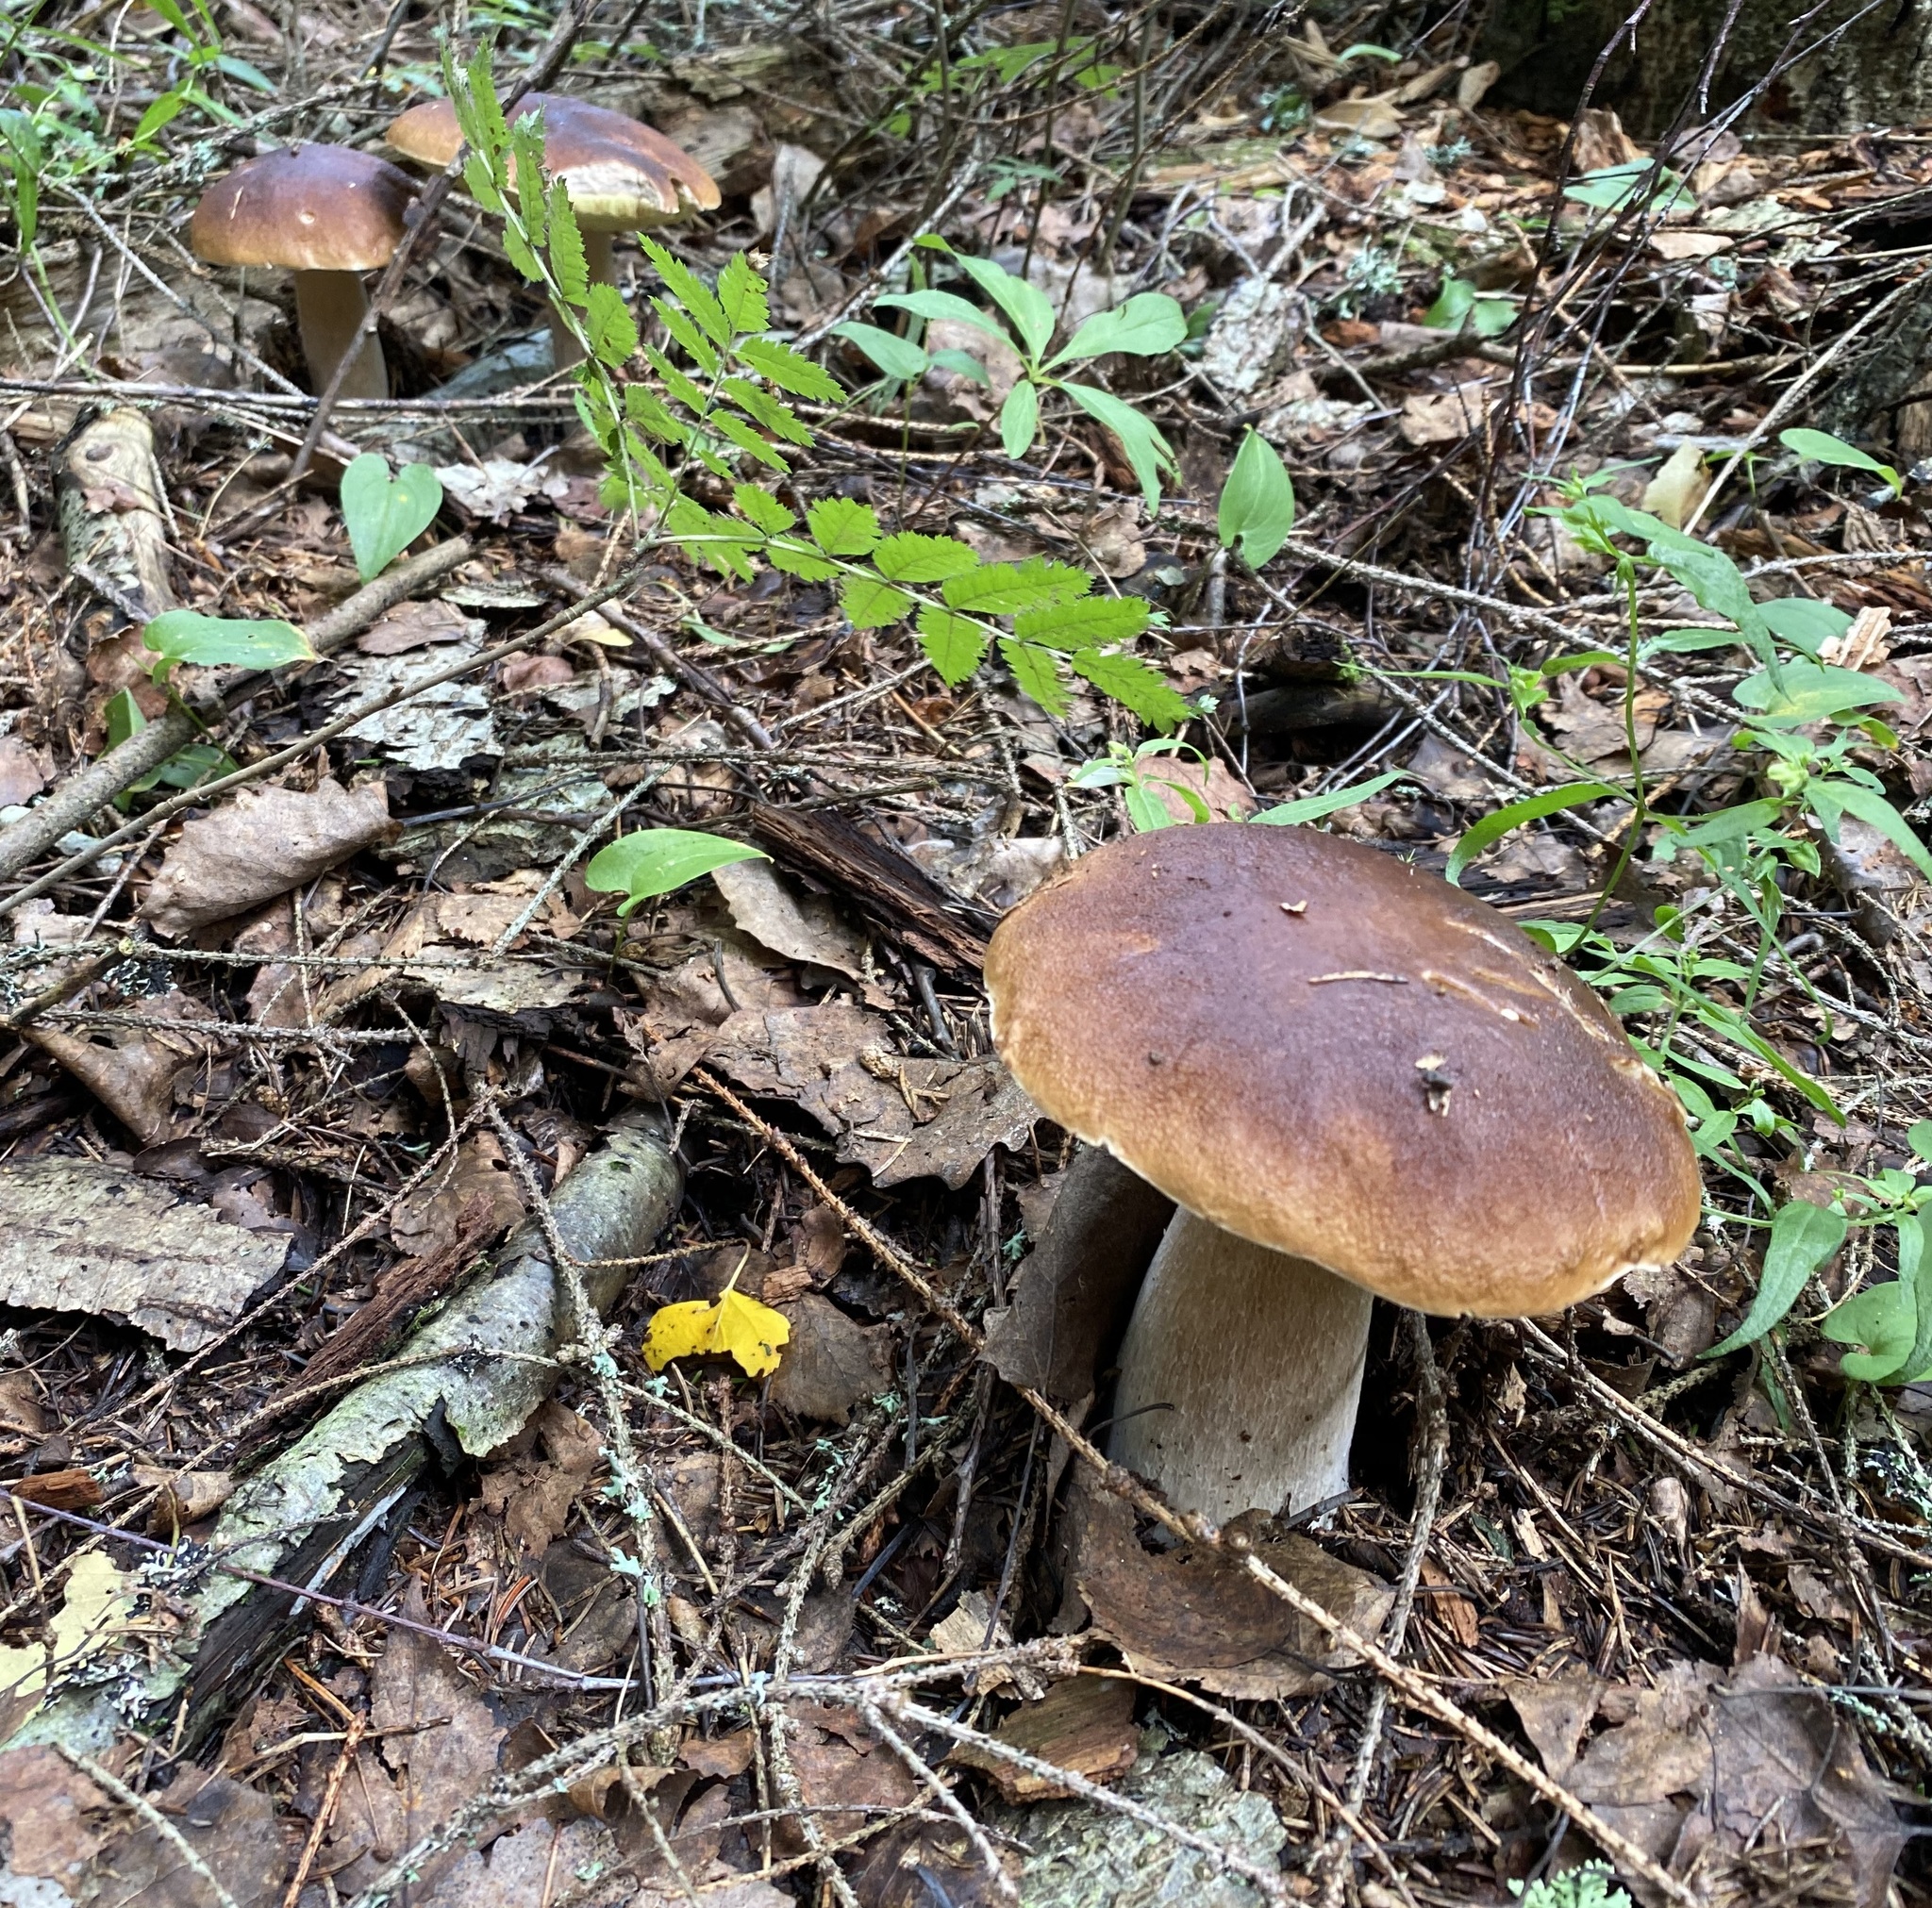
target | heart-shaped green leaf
x=385, y=514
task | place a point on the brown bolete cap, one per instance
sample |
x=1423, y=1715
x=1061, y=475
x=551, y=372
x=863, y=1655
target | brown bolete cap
x=1323, y=1050
x=621, y=174
x=311, y=209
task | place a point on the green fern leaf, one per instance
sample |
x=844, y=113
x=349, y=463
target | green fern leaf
x=741, y=295
x=1135, y=685
x=1006, y=589
x=1033, y=670
x=870, y=603
x=643, y=407
x=700, y=350
x=796, y=558
x=526, y=172
x=690, y=291
x=482, y=187
x=954, y=645
x=911, y=557
x=748, y=439
x=760, y=507
x=1083, y=623
x=716, y=542
x=608, y=326
x=780, y=365
x=844, y=528
x=519, y=254
x=567, y=246
x=763, y=408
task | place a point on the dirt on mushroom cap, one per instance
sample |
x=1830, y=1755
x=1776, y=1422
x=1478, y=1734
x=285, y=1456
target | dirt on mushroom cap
x=1325, y=1050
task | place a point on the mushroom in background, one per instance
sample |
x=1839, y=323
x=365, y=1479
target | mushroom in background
x=1352, y=1079
x=622, y=176
x=328, y=214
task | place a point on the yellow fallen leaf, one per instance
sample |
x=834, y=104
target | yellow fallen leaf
x=749, y=1332
x=96, y=1602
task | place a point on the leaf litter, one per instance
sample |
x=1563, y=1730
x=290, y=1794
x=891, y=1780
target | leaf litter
x=1689, y=1587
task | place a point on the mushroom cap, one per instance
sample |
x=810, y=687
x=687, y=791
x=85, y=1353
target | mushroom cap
x=1322, y=1049
x=620, y=172
x=311, y=208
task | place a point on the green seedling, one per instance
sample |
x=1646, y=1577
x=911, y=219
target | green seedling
x=657, y=861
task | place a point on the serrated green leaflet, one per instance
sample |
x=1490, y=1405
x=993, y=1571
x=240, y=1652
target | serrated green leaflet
x=179, y=636
x=567, y=246
x=870, y=603
x=656, y=862
x=1034, y=671
x=609, y=327
x=912, y=557
x=1134, y=684
x=798, y=559
x=760, y=507
x=780, y=365
x=767, y=411
x=1006, y=588
x=384, y=515
x=843, y=526
x=748, y=439
x=690, y=291
x=741, y=295
x=1083, y=622
x=700, y=350
x=954, y=645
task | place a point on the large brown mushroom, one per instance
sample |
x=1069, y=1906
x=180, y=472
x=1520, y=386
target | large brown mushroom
x=328, y=214
x=622, y=176
x=1352, y=1079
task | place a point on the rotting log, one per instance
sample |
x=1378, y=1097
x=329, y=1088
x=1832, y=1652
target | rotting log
x=329, y=1507
x=83, y=793
x=113, y=511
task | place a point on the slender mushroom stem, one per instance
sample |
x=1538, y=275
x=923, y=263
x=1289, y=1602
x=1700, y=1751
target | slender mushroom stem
x=329, y=311
x=600, y=264
x=1240, y=1376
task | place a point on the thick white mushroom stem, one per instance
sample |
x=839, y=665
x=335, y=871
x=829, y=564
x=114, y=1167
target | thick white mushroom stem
x=600, y=265
x=330, y=310
x=1257, y=1358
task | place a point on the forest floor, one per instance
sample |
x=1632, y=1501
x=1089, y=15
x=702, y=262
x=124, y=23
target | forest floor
x=282, y=1069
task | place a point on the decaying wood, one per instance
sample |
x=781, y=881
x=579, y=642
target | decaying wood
x=114, y=514
x=463, y=1383
x=892, y=889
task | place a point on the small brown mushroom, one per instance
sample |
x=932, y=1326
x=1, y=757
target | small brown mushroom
x=1354, y=1080
x=622, y=176
x=328, y=214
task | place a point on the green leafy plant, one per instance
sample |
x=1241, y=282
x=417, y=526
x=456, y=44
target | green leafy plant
x=1147, y=325
x=717, y=401
x=1137, y=772
x=181, y=636
x=1256, y=510
x=1613, y=188
x=1589, y=1884
x=184, y=768
x=1821, y=447
x=385, y=515
x=1460, y=305
x=655, y=861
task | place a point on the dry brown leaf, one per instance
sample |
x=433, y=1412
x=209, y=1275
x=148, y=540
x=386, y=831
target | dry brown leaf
x=79, y=1235
x=831, y=1363
x=1194, y=1615
x=183, y=1497
x=1444, y=417
x=231, y=1826
x=131, y=1070
x=534, y=1495
x=20, y=1404
x=433, y=1215
x=1555, y=1710
x=801, y=926
x=410, y=625
x=723, y=1756
x=56, y=1820
x=839, y=1761
x=22, y=773
x=1084, y=1725
x=263, y=843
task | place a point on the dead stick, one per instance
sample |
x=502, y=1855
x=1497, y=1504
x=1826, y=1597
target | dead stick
x=331, y=1794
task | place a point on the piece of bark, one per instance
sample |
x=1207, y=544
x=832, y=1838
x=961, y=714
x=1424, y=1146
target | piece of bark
x=1084, y=1725
x=887, y=885
x=113, y=513
x=400, y=1294
x=467, y=1379
x=1069, y=1306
